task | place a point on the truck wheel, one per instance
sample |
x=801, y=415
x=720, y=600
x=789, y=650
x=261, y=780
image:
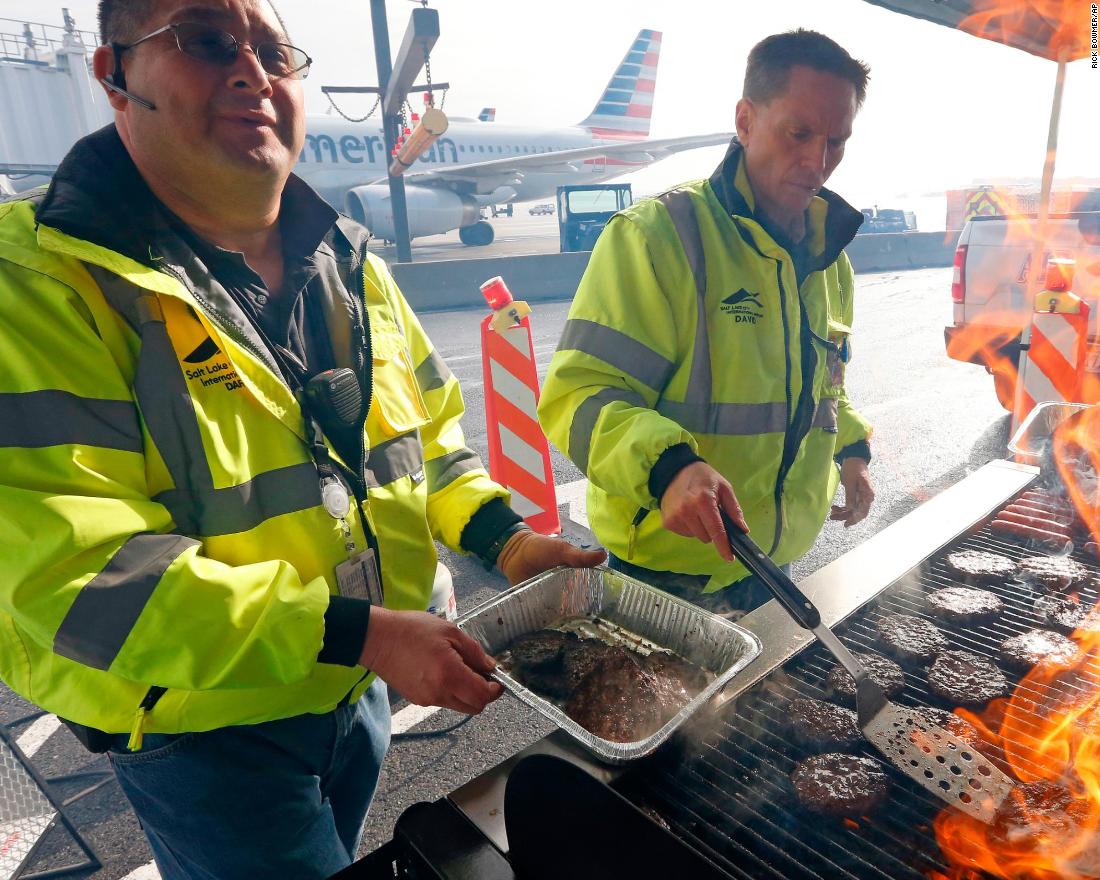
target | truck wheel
x=1004, y=383
x=477, y=235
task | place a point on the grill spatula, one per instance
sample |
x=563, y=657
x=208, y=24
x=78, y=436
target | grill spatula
x=940, y=762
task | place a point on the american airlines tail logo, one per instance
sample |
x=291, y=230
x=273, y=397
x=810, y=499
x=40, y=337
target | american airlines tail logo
x=745, y=306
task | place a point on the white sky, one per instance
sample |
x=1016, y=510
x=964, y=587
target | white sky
x=944, y=109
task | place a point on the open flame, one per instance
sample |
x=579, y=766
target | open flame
x=1077, y=455
x=1058, y=24
x=1047, y=734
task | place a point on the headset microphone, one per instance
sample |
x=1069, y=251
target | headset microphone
x=109, y=82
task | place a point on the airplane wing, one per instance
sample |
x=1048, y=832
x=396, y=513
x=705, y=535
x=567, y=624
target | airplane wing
x=487, y=176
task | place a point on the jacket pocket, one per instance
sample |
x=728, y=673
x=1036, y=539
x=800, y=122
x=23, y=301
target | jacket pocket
x=397, y=406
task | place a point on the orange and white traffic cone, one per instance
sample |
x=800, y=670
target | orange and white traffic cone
x=1052, y=359
x=519, y=455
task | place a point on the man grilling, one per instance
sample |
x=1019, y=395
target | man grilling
x=702, y=366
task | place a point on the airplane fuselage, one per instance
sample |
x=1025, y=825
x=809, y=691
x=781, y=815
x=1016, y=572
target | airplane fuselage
x=339, y=155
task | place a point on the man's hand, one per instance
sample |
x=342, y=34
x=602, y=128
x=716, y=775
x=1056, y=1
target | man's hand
x=689, y=506
x=855, y=477
x=429, y=661
x=528, y=553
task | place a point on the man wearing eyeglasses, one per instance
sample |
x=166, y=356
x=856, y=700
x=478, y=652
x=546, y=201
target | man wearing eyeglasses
x=227, y=448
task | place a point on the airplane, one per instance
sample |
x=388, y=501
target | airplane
x=482, y=163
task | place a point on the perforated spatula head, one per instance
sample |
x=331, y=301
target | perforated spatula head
x=940, y=762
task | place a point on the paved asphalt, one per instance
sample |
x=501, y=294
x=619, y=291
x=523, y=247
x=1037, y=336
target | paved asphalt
x=519, y=234
x=935, y=421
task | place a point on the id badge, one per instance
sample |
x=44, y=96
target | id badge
x=359, y=578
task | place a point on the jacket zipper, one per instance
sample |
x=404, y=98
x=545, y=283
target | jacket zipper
x=781, y=475
x=364, y=368
x=137, y=728
x=364, y=355
x=792, y=436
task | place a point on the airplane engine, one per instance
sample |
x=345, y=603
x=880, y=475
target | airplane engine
x=431, y=211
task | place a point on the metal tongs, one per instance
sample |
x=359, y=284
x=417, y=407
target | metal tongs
x=942, y=763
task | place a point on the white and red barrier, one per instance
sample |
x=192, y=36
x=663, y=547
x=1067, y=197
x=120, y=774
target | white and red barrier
x=519, y=455
x=1052, y=365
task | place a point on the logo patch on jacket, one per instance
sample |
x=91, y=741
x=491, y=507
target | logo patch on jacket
x=220, y=372
x=206, y=350
x=744, y=305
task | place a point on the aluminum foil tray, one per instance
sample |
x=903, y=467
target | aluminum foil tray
x=1033, y=437
x=718, y=646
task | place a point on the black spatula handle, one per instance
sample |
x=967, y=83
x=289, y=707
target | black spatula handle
x=760, y=564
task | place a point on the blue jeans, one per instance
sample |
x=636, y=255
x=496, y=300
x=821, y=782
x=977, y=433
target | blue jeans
x=732, y=602
x=283, y=799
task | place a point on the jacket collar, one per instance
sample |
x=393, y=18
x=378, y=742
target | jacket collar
x=832, y=222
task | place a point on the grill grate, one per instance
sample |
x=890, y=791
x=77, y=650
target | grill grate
x=728, y=794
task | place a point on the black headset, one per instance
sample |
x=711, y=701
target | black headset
x=116, y=81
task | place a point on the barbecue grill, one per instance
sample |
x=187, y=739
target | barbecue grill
x=721, y=790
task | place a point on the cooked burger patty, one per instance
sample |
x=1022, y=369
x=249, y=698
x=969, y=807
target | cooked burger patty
x=965, y=679
x=980, y=565
x=621, y=700
x=1067, y=613
x=1053, y=572
x=964, y=605
x=1024, y=651
x=885, y=672
x=818, y=726
x=910, y=639
x=840, y=785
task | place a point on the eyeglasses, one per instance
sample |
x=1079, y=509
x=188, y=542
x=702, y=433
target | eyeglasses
x=213, y=46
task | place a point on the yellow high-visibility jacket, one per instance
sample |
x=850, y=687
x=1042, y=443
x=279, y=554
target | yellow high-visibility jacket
x=161, y=527
x=690, y=326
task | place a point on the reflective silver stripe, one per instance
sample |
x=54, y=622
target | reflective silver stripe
x=208, y=512
x=35, y=419
x=432, y=373
x=120, y=294
x=622, y=352
x=731, y=419
x=106, y=609
x=825, y=416
x=584, y=421
x=681, y=210
x=394, y=459
x=443, y=471
x=161, y=389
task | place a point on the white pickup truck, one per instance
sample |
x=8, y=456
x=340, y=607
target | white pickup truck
x=989, y=288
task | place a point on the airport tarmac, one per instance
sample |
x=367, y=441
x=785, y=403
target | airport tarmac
x=521, y=233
